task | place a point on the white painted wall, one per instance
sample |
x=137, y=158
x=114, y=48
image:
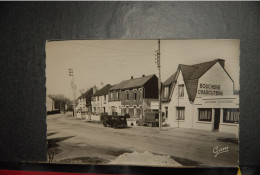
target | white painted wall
x=216, y=75
x=177, y=101
x=117, y=104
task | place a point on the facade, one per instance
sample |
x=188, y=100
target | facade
x=83, y=108
x=99, y=102
x=134, y=96
x=201, y=96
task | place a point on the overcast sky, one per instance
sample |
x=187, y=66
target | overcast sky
x=111, y=61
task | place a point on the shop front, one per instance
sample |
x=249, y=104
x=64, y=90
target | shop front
x=217, y=114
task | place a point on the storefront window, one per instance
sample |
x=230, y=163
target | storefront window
x=181, y=90
x=205, y=114
x=180, y=113
x=231, y=116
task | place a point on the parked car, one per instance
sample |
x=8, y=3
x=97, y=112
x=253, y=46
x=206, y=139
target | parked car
x=115, y=121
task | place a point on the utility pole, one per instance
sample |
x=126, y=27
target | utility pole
x=73, y=86
x=157, y=60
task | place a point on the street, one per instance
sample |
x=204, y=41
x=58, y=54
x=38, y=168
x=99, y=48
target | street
x=78, y=141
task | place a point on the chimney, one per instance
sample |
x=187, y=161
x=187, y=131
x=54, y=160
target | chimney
x=143, y=75
x=132, y=77
x=94, y=89
x=221, y=62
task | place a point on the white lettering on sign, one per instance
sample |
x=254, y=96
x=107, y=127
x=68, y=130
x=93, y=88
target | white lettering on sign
x=210, y=89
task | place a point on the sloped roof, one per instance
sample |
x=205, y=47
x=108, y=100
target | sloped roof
x=103, y=91
x=119, y=85
x=87, y=94
x=191, y=74
x=170, y=79
x=137, y=82
x=132, y=83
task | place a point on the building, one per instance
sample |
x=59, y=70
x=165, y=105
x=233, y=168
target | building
x=83, y=108
x=201, y=96
x=134, y=96
x=99, y=102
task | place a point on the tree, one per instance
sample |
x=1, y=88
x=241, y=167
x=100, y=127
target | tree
x=60, y=101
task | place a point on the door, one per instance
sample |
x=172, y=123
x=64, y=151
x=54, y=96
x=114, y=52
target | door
x=216, y=119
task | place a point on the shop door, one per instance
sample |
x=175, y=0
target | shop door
x=216, y=119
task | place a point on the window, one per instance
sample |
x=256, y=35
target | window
x=97, y=98
x=166, y=91
x=127, y=95
x=231, y=116
x=135, y=95
x=181, y=90
x=166, y=112
x=141, y=93
x=105, y=97
x=117, y=95
x=180, y=113
x=111, y=95
x=135, y=111
x=205, y=114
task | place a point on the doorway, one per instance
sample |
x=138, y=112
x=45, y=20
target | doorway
x=216, y=119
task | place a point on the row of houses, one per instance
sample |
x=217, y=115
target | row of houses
x=199, y=96
x=133, y=97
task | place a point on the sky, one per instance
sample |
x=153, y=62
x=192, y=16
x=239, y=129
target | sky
x=112, y=61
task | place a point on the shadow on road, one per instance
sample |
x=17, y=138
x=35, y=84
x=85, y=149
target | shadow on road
x=85, y=160
x=51, y=133
x=52, y=143
x=228, y=140
x=186, y=162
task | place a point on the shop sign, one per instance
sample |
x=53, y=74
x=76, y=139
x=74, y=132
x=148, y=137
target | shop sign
x=210, y=89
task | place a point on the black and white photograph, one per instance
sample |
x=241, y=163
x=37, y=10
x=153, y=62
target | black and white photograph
x=166, y=103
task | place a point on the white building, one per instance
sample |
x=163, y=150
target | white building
x=99, y=102
x=83, y=108
x=201, y=96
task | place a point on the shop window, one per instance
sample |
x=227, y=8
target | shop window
x=205, y=114
x=166, y=91
x=231, y=116
x=180, y=113
x=181, y=90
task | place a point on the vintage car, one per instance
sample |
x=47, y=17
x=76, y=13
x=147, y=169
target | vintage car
x=150, y=119
x=115, y=121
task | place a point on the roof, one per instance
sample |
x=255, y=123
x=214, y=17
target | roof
x=170, y=80
x=87, y=94
x=103, y=91
x=132, y=83
x=191, y=74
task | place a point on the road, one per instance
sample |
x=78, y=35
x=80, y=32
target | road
x=72, y=138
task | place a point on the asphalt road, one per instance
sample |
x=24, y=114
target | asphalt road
x=71, y=139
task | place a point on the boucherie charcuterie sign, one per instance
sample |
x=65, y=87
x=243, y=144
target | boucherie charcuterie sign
x=210, y=89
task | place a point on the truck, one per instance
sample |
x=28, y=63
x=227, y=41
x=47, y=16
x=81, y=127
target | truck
x=115, y=121
x=150, y=118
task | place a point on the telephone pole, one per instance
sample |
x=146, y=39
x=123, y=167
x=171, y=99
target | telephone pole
x=73, y=86
x=157, y=60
